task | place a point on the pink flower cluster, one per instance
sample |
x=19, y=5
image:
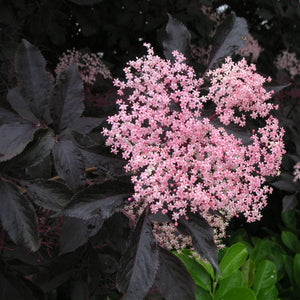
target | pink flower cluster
x=288, y=61
x=89, y=65
x=178, y=159
x=251, y=49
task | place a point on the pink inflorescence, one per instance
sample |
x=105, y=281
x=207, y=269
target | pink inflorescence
x=179, y=160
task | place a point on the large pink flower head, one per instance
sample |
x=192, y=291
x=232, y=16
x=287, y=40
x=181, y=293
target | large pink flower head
x=179, y=160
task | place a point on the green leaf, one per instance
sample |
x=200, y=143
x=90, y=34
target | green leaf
x=208, y=267
x=199, y=274
x=291, y=241
x=14, y=137
x=18, y=216
x=239, y=293
x=248, y=270
x=202, y=294
x=265, y=276
x=296, y=268
x=34, y=81
x=261, y=251
x=173, y=279
x=289, y=219
x=48, y=194
x=288, y=265
x=269, y=293
x=235, y=280
x=233, y=259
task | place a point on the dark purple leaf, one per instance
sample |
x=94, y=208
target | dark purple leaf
x=178, y=38
x=159, y=217
x=86, y=2
x=92, y=202
x=66, y=100
x=18, y=216
x=289, y=202
x=14, y=137
x=48, y=194
x=231, y=35
x=76, y=232
x=69, y=164
x=80, y=290
x=173, y=279
x=36, y=151
x=276, y=88
x=203, y=237
x=86, y=124
x=34, y=81
x=7, y=116
x=18, y=103
x=139, y=263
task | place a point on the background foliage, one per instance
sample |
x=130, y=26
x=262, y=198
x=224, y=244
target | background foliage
x=41, y=257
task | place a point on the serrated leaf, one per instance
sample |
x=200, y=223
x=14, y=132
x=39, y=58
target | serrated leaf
x=86, y=124
x=296, y=269
x=234, y=280
x=34, y=81
x=66, y=99
x=199, y=274
x=173, y=279
x=290, y=240
x=76, y=232
x=86, y=2
x=18, y=216
x=14, y=137
x=203, y=237
x=233, y=259
x=239, y=293
x=230, y=36
x=50, y=195
x=36, y=151
x=19, y=105
x=178, y=38
x=92, y=202
x=139, y=263
x=69, y=164
x=265, y=276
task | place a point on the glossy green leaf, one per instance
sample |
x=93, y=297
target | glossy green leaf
x=291, y=241
x=296, y=268
x=261, y=251
x=265, y=276
x=233, y=259
x=235, y=280
x=199, y=274
x=239, y=293
x=248, y=271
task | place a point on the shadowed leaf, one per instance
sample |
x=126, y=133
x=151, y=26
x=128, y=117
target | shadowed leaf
x=203, y=237
x=18, y=216
x=86, y=2
x=69, y=164
x=76, y=232
x=139, y=263
x=48, y=194
x=66, y=100
x=34, y=81
x=230, y=36
x=173, y=279
x=86, y=124
x=92, y=202
x=14, y=137
x=178, y=38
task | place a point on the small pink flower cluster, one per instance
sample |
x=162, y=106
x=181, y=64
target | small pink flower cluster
x=297, y=171
x=179, y=160
x=251, y=49
x=89, y=65
x=289, y=62
x=236, y=88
